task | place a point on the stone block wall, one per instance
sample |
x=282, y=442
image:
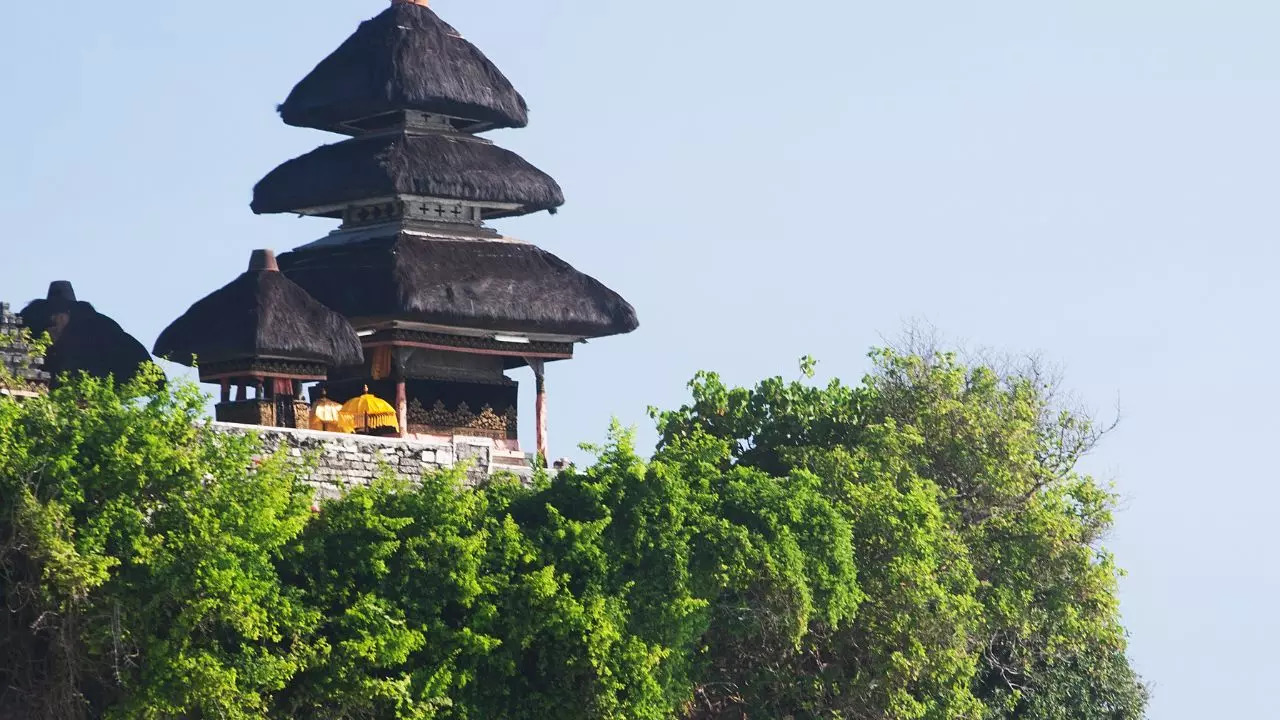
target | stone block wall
x=25, y=371
x=353, y=460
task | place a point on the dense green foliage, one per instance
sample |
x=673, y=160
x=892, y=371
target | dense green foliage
x=916, y=547
x=987, y=593
x=138, y=559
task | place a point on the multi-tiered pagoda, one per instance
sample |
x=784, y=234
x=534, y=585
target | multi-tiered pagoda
x=443, y=304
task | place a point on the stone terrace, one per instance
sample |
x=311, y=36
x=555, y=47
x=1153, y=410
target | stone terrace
x=354, y=460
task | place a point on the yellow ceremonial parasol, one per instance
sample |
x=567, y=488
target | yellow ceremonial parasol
x=369, y=412
x=327, y=415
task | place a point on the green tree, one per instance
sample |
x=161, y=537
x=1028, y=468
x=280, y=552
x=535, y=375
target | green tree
x=137, y=553
x=996, y=537
x=583, y=597
x=916, y=547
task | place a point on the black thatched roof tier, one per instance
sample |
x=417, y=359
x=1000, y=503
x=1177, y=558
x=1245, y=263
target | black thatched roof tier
x=455, y=167
x=261, y=314
x=406, y=58
x=490, y=285
x=84, y=340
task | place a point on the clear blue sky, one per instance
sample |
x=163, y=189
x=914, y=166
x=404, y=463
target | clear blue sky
x=1095, y=181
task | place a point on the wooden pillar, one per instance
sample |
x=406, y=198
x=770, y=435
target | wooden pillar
x=402, y=408
x=226, y=390
x=241, y=393
x=540, y=407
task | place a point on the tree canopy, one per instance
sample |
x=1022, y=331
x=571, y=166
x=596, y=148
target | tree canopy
x=916, y=546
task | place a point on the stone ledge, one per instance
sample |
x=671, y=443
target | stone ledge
x=356, y=460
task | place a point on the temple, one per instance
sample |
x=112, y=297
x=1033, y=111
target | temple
x=443, y=306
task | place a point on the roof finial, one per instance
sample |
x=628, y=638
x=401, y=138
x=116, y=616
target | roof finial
x=423, y=3
x=61, y=290
x=263, y=260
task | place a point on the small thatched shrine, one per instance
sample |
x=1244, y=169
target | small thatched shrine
x=261, y=333
x=84, y=340
x=443, y=305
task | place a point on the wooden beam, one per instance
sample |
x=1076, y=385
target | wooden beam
x=539, y=367
x=402, y=408
x=513, y=352
x=216, y=377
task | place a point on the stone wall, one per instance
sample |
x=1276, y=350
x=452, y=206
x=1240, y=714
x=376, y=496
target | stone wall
x=24, y=371
x=354, y=460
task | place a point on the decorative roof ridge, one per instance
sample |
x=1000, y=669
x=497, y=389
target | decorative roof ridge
x=414, y=124
x=395, y=228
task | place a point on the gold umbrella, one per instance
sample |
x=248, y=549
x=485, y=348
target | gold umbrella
x=326, y=415
x=369, y=412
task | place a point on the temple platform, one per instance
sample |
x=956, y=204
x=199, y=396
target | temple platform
x=346, y=461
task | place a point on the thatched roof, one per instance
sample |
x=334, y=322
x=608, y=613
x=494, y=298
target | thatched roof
x=406, y=58
x=261, y=314
x=89, y=342
x=484, y=284
x=455, y=167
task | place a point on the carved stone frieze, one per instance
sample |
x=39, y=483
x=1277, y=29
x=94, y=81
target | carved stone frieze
x=462, y=419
